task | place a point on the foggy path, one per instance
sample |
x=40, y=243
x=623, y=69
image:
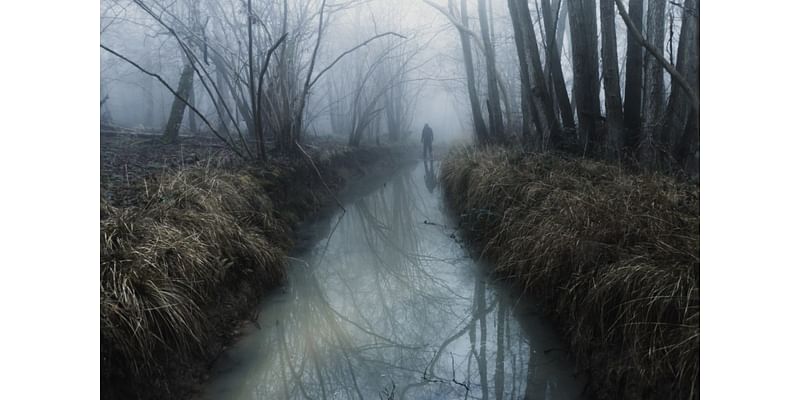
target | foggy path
x=387, y=304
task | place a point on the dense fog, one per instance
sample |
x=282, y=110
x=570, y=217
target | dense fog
x=393, y=65
x=431, y=81
x=349, y=158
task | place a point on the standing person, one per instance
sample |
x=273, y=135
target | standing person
x=427, y=142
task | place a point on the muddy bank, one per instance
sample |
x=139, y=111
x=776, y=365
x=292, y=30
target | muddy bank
x=612, y=257
x=191, y=243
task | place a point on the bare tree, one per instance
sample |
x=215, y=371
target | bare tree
x=529, y=122
x=399, y=98
x=254, y=73
x=535, y=93
x=679, y=131
x=230, y=59
x=496, y=125
x=647, y=155
x=186, y=82
x=554, y=29
x=178, y=105
x=653, y=100
x=614, y=117
x=585, y=66
x=633, y=84
x=460, y=20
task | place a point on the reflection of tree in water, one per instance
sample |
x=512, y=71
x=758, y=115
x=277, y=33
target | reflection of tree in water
x=383, y=309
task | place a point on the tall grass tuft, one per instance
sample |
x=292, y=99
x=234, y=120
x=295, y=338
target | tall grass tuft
x=613, y=256
x=192, y=240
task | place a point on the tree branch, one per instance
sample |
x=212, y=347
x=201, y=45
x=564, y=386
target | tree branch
x=682, y=82
x=257, y=106
x=366, y=42
x=458, y=25
x=179, y=97
x=478, y=42
x=192, y=58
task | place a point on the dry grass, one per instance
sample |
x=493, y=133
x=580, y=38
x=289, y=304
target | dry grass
x=614, y=257
x=187, y=255
x=195, y=234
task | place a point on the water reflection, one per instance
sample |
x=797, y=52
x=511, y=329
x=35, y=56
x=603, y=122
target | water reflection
x=388, y=306
x=430, y=175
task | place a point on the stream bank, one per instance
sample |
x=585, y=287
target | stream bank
x=612, y=257
x=191, y=240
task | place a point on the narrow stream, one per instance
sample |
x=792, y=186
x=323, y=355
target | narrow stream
x=387, y=304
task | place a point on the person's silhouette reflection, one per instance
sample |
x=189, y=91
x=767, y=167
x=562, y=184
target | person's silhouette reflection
x=430, y=176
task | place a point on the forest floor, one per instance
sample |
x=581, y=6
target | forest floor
x=191, y=238
x=613, y=257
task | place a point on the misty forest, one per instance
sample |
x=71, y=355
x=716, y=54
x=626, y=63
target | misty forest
x=417, y=199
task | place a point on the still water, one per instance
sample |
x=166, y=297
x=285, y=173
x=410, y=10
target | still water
x=387, y=304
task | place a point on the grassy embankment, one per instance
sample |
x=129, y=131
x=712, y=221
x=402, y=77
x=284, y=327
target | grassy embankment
x=186, y=261
x=613, y=257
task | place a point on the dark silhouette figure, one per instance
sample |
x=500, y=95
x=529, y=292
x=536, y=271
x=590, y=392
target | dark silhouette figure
x=427, y=142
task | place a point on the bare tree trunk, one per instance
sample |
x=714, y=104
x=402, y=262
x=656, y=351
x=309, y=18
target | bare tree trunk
x=178, y=105
x=258, y=134
x=495, y=113
x=542, y=102
x=286, y=142
x=614, y=117
x=561, y=28
x=678, y=116
x=477, y=117
x=585, y=66
x=687, y=153
x=633, y=85
x=242, y=110
x=530, y=125
x=653, y=100
x=149, y=99
x=223, y=127
x=554, y=70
